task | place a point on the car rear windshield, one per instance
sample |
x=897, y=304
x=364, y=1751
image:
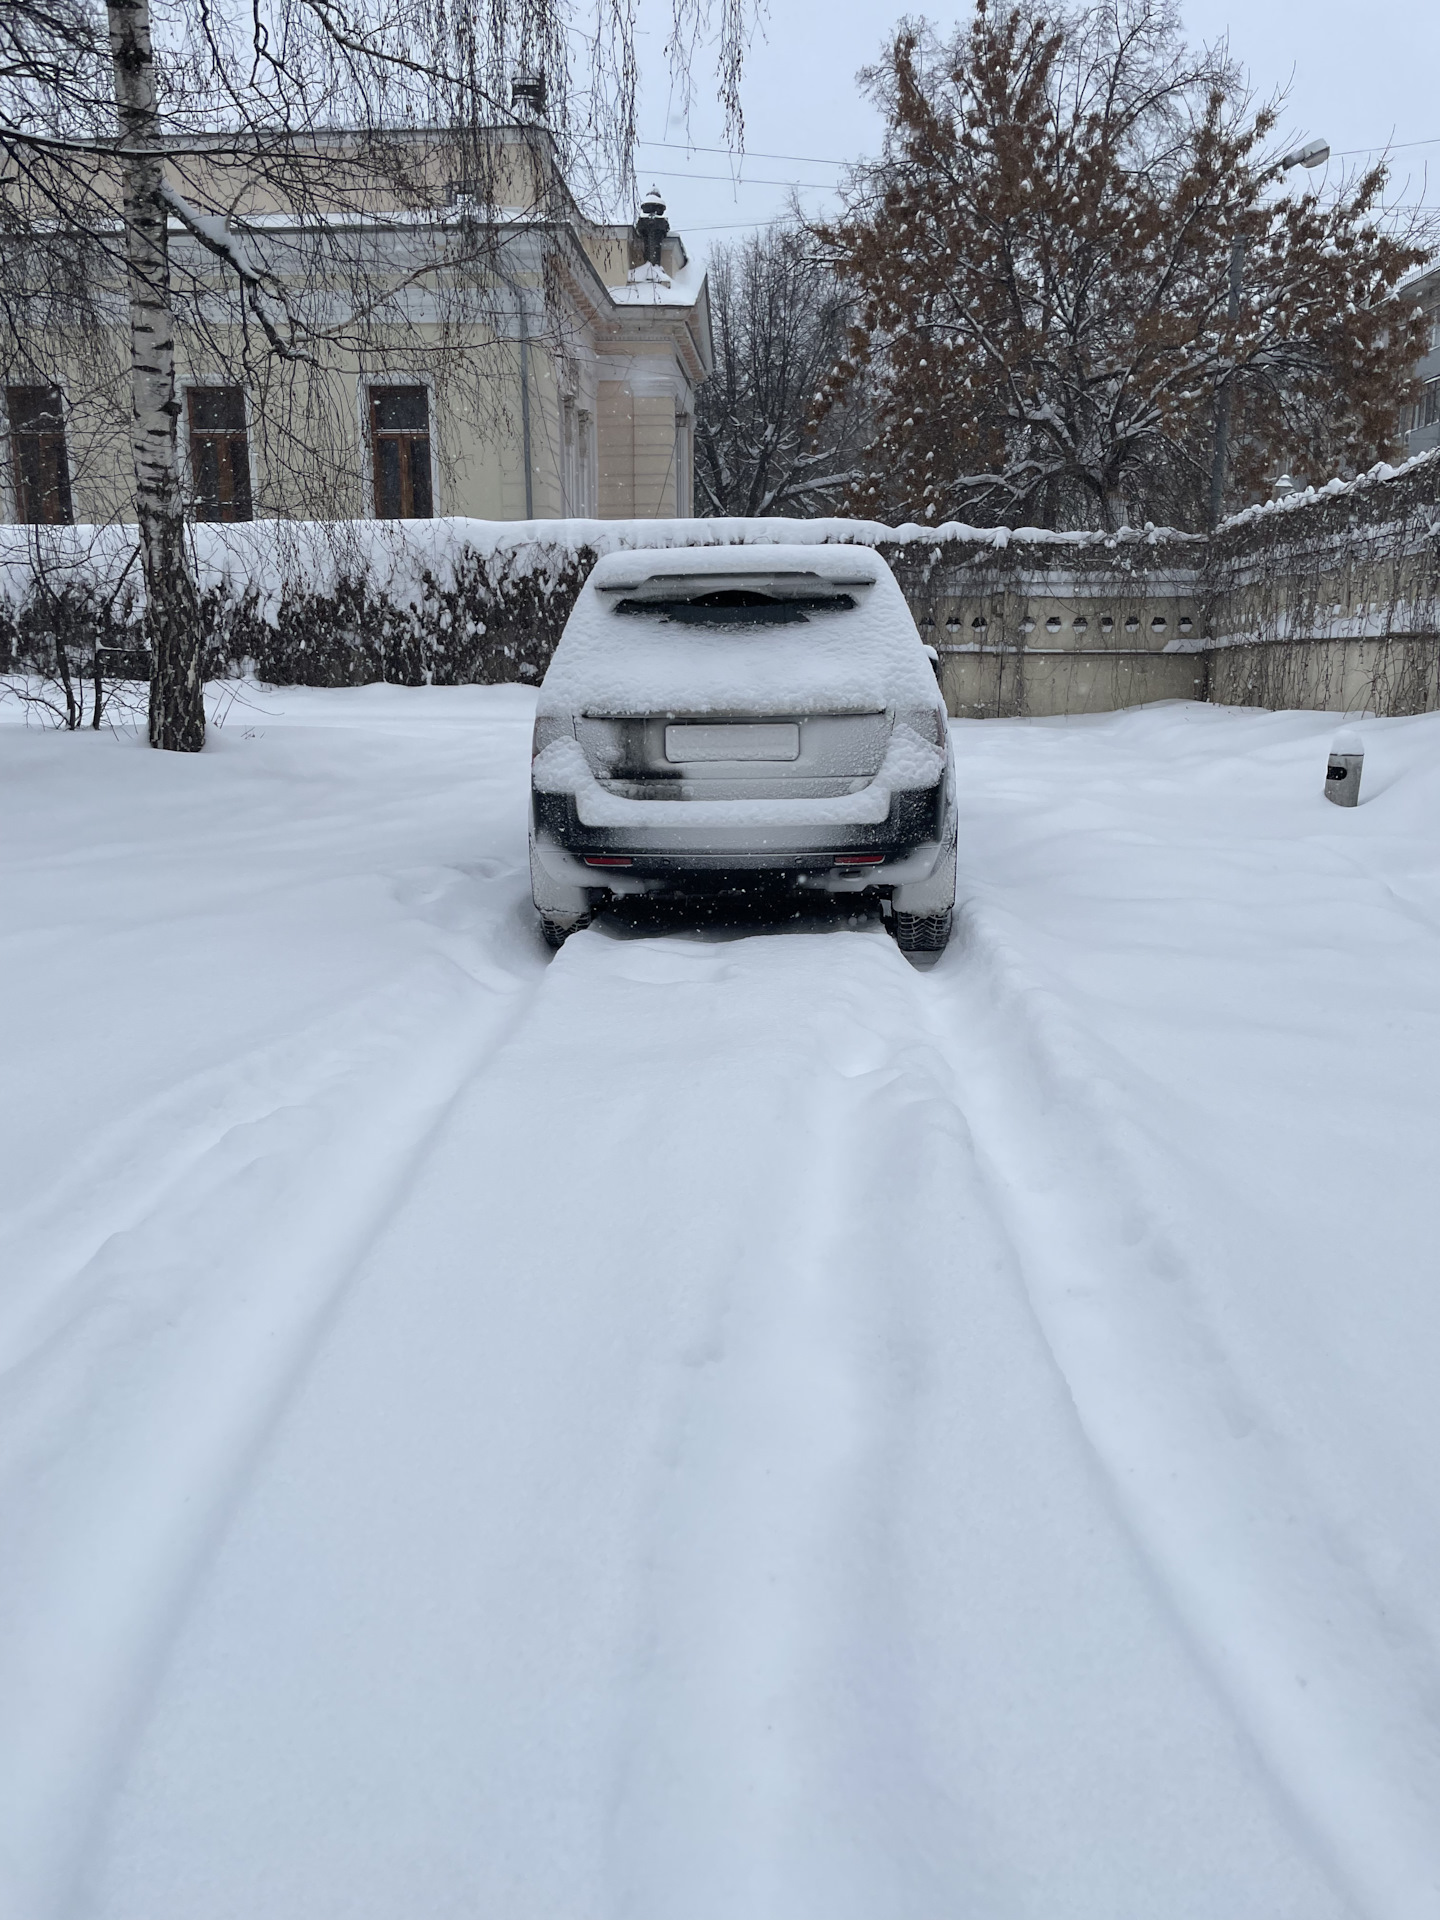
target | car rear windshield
x=710, y=600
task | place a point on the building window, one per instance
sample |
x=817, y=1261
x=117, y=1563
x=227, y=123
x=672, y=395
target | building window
x=1428, y=412
x=40, y=464
x=400, y=445
x=219, y=453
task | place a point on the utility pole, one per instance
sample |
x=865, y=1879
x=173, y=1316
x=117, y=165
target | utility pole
x=1222, y=397
x=1313, y=154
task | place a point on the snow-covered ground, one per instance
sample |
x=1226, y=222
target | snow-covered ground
x=720, y=1423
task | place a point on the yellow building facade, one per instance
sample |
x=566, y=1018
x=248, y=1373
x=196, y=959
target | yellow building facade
x=498, y=356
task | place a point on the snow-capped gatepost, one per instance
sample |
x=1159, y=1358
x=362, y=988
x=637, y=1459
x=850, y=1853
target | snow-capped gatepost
x=1342, y=776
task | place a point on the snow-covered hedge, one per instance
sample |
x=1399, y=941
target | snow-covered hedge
x=447, y=601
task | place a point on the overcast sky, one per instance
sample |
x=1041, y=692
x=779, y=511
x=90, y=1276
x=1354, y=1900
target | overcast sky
x=1359, y=75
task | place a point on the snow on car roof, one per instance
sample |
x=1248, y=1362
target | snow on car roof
x=863, y=655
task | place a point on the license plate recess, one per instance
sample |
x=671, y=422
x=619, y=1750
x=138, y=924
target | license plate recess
x=732, y=740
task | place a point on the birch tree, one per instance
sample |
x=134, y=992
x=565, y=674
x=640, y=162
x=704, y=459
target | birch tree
x=177, y=691
x=1042, y=265
x=134, y=133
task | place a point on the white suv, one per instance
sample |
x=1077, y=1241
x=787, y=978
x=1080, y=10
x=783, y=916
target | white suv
x=726, y=719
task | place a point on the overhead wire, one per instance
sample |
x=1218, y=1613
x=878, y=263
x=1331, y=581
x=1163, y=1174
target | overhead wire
x=1396, y=146
x=822, y=186
x=729, y=180
x=801, y=159
x=822, y=160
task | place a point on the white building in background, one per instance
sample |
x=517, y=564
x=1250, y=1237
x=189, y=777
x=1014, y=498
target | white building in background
x=1420, y=421
x=593, y=347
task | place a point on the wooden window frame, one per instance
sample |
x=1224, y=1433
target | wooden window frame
x=39, y=501
x=412, y=462
x=233, y=500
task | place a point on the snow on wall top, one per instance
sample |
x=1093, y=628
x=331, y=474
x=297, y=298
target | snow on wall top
x=862, y=658
x=279, y=558
x=1381, y=472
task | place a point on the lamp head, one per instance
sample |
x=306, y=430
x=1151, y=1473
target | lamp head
x=1313, y=154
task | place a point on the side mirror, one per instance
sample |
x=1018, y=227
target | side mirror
x=934, y=659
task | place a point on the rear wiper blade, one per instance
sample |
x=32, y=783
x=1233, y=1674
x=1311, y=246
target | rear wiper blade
x=770, y=613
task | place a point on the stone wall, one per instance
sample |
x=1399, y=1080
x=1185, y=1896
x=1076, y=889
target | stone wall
x=1329, y=600
x=1041, y=628
x=1332, y=601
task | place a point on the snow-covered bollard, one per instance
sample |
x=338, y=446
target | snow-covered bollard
x=1342, y=776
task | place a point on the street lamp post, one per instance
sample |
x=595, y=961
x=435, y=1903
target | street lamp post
x=1313, y=154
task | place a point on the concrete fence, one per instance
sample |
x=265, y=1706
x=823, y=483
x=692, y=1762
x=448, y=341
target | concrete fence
x=1329, y=600
x=1333, y=602
x=1079, y=633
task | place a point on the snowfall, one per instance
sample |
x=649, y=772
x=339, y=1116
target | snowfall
x=722, y=1423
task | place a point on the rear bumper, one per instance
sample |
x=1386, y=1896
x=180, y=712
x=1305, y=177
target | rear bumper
x=913, y=840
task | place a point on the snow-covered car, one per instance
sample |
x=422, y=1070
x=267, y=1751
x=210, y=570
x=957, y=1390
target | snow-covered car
x=726, y=719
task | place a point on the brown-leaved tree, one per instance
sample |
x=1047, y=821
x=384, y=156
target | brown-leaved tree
x=1045, y=261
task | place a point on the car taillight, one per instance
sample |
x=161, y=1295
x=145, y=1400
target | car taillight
x=549, y=727
x=928, y=722
x=608, y=860
x=858, y=859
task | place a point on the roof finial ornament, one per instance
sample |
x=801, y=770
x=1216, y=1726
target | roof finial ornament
x=527, y=93
x=652, y=226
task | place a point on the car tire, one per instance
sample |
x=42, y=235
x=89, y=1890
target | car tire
x=556, y=932
x=922, y=932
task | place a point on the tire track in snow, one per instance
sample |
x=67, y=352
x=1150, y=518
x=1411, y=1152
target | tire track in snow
x=787, y=1444
x=127, y=1179
x=145, y=1381
x=782, y=1690
x=1336, y=1692
x=684, y=1516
